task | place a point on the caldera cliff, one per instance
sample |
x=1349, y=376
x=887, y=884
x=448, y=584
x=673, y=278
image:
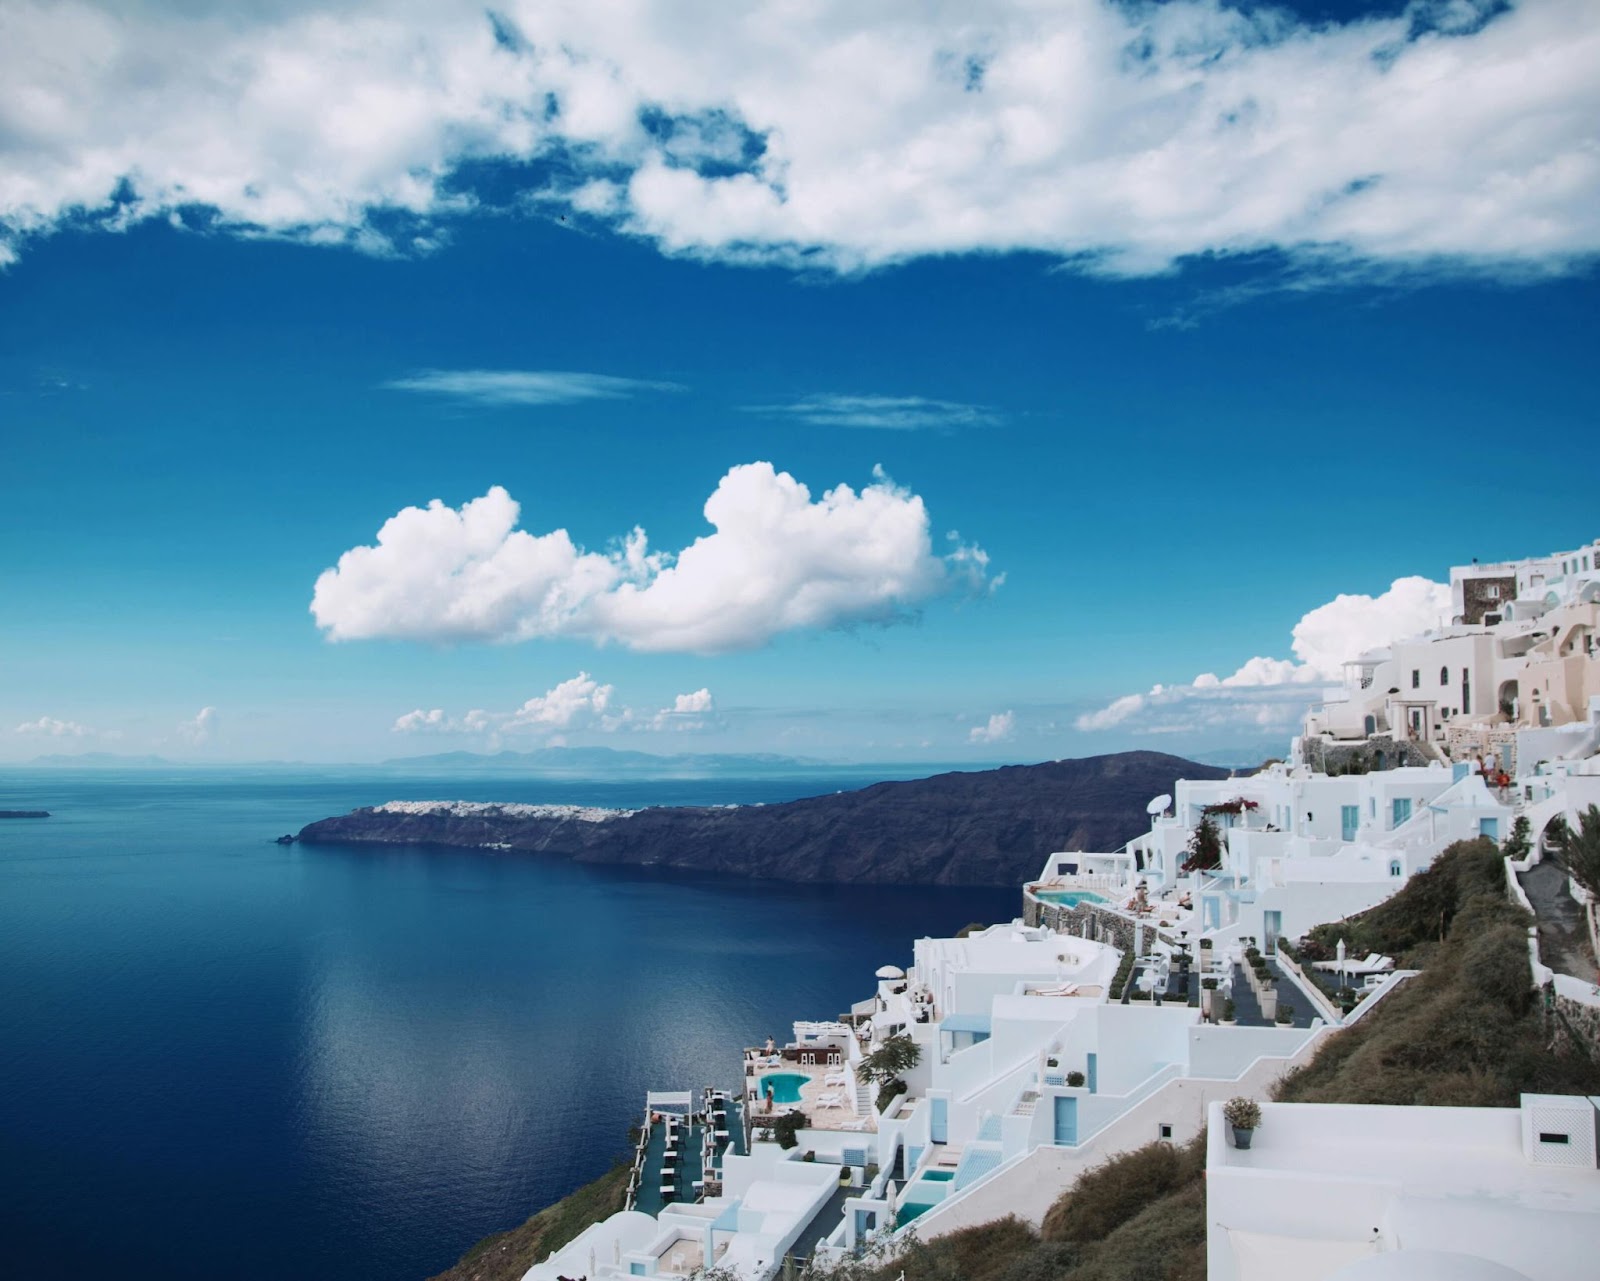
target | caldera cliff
x=989, y=827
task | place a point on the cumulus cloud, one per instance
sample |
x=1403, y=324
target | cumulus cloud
x=1270, y=692
x=496, y=387
x=777, y=561
x=892, y=413
x=576, y=705
x=1114, y=137
x=50, y=727
x=200, y=728
x=573, y=704
x=421, y=721
x=1000, y=727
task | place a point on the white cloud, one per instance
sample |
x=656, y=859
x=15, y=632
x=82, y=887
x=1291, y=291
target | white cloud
x=1000, y=727
x=50, y=727
x=892, y=413
x=693, y=704
x=1270, y=692
x=524, y=386
x=1111, y=136
x=576, y=705
x=201, y=728
x=1113, y=714
x=421, y=722
x=777, y=561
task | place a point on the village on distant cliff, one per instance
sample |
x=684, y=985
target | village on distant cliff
x=1155, y=991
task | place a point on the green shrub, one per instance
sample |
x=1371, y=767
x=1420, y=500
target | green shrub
x=887, y=1093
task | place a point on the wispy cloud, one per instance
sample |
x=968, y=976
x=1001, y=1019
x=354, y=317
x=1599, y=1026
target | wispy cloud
x=525, y=386
x=890, y=413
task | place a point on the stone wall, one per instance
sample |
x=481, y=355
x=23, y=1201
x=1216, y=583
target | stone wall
x=1090, y=921
x=1482, y=596
x=1335, y=758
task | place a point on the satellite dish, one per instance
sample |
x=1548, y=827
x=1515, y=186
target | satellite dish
x=1159, y=805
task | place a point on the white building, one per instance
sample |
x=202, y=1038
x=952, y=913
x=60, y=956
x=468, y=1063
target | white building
x=1325, y=1190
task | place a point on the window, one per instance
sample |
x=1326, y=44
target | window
x=1444, y=676
x=1394, y=867
x=1491, y=591
x=1164, y=1130
x=1349, y=821
x=1416, y=679
x=1402, y=810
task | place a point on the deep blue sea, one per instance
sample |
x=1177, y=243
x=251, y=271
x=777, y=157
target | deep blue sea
x=224, y=1058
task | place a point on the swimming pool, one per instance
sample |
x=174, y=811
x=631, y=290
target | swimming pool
x=783, y=1087
x=922, y=1194
x=1067, y=898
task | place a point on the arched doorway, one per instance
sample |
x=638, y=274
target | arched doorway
x=1508, y=699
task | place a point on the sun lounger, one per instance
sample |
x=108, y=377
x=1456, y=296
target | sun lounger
x=830, y=1101
x=834, y=1078
x=860, y=1123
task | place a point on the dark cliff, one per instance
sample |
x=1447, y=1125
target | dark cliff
x=992, y=827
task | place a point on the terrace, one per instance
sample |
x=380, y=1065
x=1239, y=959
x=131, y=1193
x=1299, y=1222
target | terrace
x=827, y=1091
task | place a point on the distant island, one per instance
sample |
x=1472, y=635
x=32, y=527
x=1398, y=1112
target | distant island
x=988, y=827
x=24, y=813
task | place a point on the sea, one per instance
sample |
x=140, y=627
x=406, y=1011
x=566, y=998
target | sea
x=225, y=1058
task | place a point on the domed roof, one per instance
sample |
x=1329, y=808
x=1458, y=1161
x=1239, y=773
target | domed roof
x=1426, y=1265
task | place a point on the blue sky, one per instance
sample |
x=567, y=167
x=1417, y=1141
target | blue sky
x=1173, y=431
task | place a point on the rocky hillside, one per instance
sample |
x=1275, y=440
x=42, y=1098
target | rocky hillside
x=991, y=827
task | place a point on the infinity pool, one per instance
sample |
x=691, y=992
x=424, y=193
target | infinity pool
x=1067, y=898
x=783, y=1087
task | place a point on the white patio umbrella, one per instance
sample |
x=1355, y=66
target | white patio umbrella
x=890, y=972
x=1339, y=962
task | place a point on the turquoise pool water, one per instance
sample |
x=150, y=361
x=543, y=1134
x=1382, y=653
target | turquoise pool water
x=922, y=1194
x=783, y=1087
x=1067, y=898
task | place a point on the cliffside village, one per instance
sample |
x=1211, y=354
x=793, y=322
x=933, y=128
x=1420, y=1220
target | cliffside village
x=1139, y=989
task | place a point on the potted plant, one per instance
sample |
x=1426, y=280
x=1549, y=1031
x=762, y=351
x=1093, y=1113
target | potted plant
x=1285, y=1014
x=1227, y=1009
x=1076, y=1079
x=1243, y=1116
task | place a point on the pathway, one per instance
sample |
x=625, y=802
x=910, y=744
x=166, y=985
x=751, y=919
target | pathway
x=1563, y=944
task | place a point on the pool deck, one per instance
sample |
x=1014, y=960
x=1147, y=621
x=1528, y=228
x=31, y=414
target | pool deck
x=840, y=1116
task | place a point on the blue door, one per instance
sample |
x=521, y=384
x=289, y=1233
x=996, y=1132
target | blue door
x=939, y=1123
x=1066, y=1119
x=1094, y=1073
x=1489, y=827
x=1349, y=821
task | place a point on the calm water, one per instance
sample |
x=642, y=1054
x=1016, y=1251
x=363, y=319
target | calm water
x=224, y=1058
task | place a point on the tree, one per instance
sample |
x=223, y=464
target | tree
x=1517, y=844
x=1579, y=850
x=1205, y=846
x=896, y=1055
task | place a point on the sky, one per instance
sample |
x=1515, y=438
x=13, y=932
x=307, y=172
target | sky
x=951, y=383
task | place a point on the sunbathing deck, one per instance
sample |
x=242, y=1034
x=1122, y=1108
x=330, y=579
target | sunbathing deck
x=685, y=1166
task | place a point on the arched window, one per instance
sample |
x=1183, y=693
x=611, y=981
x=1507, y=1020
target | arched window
x=1444, y=676
x=1394, y=867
